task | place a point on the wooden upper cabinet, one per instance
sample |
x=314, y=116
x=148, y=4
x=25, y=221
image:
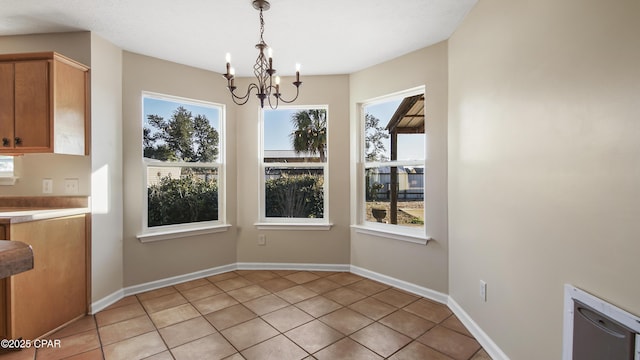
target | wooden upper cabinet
x=6, y=104
x=44, y=104
x=31, y=113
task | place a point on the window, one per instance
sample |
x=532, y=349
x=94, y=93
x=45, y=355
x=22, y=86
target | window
x=183, y=156
x=294, y=165
x=6, y=170
x=6, y=166
x=393, y=153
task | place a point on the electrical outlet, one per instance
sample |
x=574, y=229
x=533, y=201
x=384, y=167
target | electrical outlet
x=71, y=186
x=47, y=186
x=483, y=290
x=262, y=240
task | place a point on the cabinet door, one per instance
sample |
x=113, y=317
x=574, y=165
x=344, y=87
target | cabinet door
x=54, y=292
x=32, y=105
x=6, y=105
x=70, y=109
x=4, y=330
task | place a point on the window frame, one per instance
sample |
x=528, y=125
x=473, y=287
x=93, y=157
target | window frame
x=283, y=223
x=173, y=231
x=392, y=231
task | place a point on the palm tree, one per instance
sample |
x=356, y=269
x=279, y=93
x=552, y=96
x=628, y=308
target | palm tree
x=311, y=132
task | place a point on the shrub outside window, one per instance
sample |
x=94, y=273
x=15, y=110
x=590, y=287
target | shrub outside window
x=294, y=165
x=394, y=162
x=182, y=153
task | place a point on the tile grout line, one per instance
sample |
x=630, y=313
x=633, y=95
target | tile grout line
x=155, y=326
x=95, y=322
x=260, y=317
x=257, y=281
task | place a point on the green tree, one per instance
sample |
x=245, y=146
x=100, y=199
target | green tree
x=310, y=134
x=153, y=151
x=374, y=133
x=180, y=138
x=206, y=138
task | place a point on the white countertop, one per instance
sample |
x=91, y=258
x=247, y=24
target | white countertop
x=10, y=216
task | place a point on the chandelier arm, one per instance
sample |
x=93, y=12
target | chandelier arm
x=295, y=98
x=276, y=95
x=241, y=100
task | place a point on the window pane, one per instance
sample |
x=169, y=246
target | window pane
x=6, y=166
x=294, y=192
x=180, y=131
x=179, y=195
x=403, y=207
x=394, y=135
x=295, y=135
x=404, y=119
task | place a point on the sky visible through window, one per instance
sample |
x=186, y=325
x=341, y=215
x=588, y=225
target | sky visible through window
x=410, y=146
x=278, y=128
x=165, y=109
x=277, y=133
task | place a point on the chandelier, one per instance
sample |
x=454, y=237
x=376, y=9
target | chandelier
x=263, y=70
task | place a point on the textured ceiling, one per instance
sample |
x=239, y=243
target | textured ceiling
x=325, y=36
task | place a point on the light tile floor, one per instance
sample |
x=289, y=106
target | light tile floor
x=276, y=315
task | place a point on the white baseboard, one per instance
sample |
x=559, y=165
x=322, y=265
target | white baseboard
x=489, y=346
x=101, y=304
x=401, y=284
x=492, y=349
x=137, y=289
x=293, y=266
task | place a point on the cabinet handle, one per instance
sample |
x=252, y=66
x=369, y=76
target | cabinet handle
x=5, y=142
x=18, y=141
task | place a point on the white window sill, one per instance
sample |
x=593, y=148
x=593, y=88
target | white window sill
x=293, y=226
x=8, y=180
x=395, y=234
x=169, y=234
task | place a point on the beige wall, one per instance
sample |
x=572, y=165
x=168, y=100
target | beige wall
x=543, y=160
x=418, y=264
x=297, y=246
x=106, y=154
x=158, y=260
x=106, y=168
x=32, y=168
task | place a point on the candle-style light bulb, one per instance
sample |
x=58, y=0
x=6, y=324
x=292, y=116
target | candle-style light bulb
x=270, y=52
x=277, y=84
x=228, y=58
x=297, y=72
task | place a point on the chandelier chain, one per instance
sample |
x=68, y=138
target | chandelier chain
x=261, y=27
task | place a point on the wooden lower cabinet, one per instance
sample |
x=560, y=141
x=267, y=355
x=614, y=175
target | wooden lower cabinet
x=54, y=292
